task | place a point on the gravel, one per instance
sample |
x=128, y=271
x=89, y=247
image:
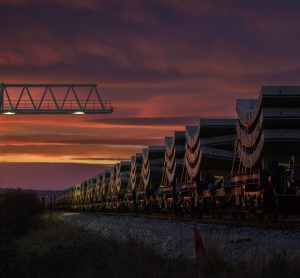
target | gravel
x=172, y=238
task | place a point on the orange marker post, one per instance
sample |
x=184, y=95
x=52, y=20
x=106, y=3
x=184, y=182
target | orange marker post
x=199, y=246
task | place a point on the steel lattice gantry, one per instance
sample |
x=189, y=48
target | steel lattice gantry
x=73, y=99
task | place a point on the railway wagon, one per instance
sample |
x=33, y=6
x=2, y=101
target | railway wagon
x=104, y=192
x=111, y=194
x=134, y=181
x=207, y=164
x=90, y=193
x=75, y=197
x=83, y=195
x=151, y=176
x=97, y=196
x=172, y=173
x=267, y=177
x=121, y=182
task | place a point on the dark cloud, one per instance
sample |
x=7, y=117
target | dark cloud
x=169, y=46
x=154, y=121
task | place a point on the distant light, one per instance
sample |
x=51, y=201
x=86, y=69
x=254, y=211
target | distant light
x=78, y=113
x=8, y=113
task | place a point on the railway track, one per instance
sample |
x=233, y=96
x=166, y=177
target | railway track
x=173, y=237
x=282, y=225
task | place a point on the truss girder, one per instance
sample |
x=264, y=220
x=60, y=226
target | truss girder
x=14, y=102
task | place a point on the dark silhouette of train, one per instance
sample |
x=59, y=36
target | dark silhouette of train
x=248, y=167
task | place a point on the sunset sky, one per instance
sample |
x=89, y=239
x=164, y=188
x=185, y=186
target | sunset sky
x=163, y=63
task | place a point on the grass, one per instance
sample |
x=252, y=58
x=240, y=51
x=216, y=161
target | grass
x=57, y=249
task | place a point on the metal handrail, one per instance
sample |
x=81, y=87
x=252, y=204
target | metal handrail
x=50, y=104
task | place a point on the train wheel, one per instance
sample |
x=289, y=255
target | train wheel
x=274, y=215
x=233, y=211
x=242, y=215
x=260, y=217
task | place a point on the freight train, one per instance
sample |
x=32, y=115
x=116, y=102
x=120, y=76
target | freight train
x=245, y=167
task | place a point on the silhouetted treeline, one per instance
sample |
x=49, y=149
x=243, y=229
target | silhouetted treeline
x=18, y=215
x=17, y=212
